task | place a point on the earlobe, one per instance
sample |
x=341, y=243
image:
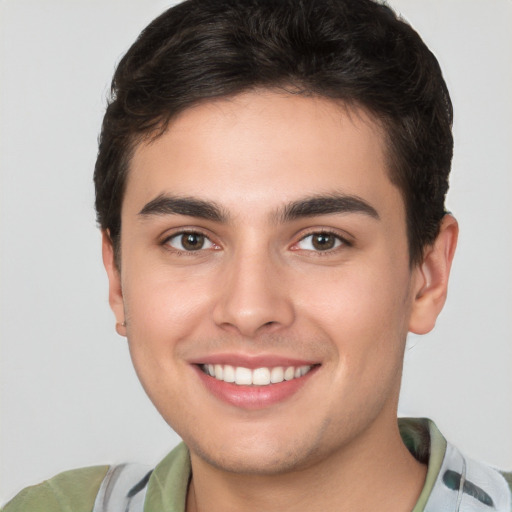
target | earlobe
x=431, y=280
x=115, y=292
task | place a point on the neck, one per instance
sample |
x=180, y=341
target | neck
x=375, y=472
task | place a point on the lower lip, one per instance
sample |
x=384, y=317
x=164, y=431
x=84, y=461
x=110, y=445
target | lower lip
x=253, y=397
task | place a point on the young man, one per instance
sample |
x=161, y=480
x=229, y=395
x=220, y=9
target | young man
x=270, y=186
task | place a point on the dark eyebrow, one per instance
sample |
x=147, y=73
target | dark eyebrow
x=326, y=205
x=170, y=205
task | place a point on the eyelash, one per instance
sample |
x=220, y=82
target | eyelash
x=339, y=241
x=183, y=252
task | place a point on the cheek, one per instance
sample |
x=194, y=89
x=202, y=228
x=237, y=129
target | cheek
x=357, y=298
x=162, y=307
x=364, y=311
x=163, y=311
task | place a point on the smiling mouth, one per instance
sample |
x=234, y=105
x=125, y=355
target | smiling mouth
x=264, y=376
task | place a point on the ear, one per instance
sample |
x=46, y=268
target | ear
x=115, y=292
x=431, y=280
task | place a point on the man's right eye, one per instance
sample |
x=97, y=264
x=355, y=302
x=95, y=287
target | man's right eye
x=189, y=242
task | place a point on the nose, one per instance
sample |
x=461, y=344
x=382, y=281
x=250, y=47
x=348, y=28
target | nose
x=253, y=296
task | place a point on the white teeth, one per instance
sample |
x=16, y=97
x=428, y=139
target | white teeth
x=228, y=374
x=219, y=372
x=261, y=377
x=304, y=370
x=243, y=376
x=277, y=374
x=258, y=377
x=289, y=373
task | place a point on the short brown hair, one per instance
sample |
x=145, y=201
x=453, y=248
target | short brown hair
x=356, y=51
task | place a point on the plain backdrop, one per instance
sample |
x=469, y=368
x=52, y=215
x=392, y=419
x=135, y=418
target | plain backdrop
x=69, y=395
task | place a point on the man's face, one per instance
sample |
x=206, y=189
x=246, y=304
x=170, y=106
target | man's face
x=261, y=234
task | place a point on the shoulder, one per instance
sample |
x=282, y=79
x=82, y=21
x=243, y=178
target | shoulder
x=74, y=490
x=78, y=490
x=453, y=481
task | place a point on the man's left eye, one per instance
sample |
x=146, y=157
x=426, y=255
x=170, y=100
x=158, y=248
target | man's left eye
x=189, y=242
x=319, y=242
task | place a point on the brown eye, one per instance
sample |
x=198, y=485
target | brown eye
x=323, y=241
x=319, y=242
x=189, y=242
x=192, y=241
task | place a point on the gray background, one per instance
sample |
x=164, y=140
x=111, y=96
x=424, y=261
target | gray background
x=69, y=395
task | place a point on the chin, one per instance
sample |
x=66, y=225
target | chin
x=258, y=462
x=269, y=454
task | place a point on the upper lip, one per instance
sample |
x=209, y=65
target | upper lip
x=252, y=361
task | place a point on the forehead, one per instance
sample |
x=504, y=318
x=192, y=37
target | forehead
x=264, y=147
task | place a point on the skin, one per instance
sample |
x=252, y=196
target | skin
x=259, y=286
